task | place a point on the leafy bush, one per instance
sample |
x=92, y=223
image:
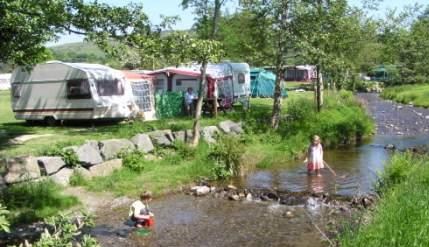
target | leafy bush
x=66, y=231
x=69, y=156
x=77, y=179
x=4, y=223
x=226, y=153
x=32, y=201
x=184, y=151
x=134, y=160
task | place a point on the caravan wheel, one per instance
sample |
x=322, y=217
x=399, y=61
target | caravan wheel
x=51, y=121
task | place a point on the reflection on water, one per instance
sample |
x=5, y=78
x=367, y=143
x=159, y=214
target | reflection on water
x=356, y=169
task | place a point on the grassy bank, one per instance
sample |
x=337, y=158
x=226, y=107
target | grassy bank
x=342, y=120
x=417, y=94
x=401, y=216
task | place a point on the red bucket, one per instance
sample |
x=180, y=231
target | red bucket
x=149, y=222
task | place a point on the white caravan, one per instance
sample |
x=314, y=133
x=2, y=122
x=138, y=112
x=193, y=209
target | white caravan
x=241, y=81
x=70, y=91
x=5, y=81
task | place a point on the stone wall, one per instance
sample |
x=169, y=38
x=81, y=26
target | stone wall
x=100, y=158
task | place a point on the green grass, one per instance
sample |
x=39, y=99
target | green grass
x=418, y=94
x=29, y=202
x=400, y=218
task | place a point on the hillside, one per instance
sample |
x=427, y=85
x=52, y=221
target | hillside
x=78, y=52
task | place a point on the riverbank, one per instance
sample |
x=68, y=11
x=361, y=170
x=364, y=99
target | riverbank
x=416, y=94
x=400, y=217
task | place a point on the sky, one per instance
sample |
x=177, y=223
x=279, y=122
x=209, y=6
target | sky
x=155, y=8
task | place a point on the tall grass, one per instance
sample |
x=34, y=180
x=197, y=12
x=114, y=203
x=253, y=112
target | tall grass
x=401, y=217
x=416, y=94
x=29, y=202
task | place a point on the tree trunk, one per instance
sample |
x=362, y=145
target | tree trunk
x=275, y=118
x=196, y=127
x=216, y=14
x=318, y=91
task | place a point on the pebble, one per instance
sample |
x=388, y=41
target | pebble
x=231, y=187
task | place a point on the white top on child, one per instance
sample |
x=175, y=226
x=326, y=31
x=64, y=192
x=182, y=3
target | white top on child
x=315, y=155
x=138, y=208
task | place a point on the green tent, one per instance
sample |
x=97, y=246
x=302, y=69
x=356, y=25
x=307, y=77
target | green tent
x=262, y=83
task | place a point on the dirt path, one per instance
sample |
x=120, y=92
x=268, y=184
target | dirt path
x=396, y=119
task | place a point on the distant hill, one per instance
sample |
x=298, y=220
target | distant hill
x=79, y=52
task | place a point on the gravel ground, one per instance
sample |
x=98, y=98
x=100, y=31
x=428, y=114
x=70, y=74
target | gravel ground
x=394, y=118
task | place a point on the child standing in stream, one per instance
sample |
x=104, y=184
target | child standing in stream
x=314, y=158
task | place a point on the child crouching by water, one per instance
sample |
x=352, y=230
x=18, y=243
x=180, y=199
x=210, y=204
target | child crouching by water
x=139, y=211
x=314, y=158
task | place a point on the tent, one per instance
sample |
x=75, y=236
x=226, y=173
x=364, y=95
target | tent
x=263, y=83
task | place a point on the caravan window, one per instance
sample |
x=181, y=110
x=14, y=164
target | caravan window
x=109, y=87
x=78, y=89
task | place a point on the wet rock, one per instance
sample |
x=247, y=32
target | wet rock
x=106, y=168
x=289, y=214
x=50, y=165
x=241, y=195
x=180, y=136
x=62, y=177
x=234, y=197
x=162, y=137
x=272, y=196
x=200, y=190
x=264, y=198
x=143, y=143
x=88, y=154
x=249, y=197
x=21, y=169
x=111, y=148
x=210, y=133
x=231, y=187
x=291, y=201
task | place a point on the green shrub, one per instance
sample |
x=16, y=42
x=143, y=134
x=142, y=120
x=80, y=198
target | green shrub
x=66, y=231
x=32, y=201
x=68, y=155
x=226, y=153
x=77, y=179
x=184, y=151
x=134, y=160
x=4, y=222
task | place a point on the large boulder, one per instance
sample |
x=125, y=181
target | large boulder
x=62, y=177
x=21, y=169
x=88, y=154
x=143, y=143
x=209, y=134
x=111, y=148
x=162, y=137
x=105, y=168
x=180, y=136
x=85, y=173
x=189, y=135
x=230, y=127
x=50, y=165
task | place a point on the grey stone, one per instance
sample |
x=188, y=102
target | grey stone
x=209, y=134
x=88, y=154
x=111, y=148
x=62, y=177
x=234, y=197
x=180, y=136
x=21, y=169
x=189, y=135
x=237, y=129
x=105, y=168
x=83, y=172
x=162, y=137
x=226, y=126
x=143, y=143
x=50, y=165
x=200, y=190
